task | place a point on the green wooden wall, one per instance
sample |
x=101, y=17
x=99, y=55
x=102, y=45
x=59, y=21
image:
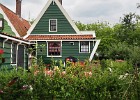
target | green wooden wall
x=67, y=50
x=53, y=12
x=7, y=29
x=7, y=54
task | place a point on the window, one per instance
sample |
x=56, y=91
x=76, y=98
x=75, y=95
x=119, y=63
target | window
x=54, y=48
x=84, y=47
x=14, y=53
x=53, y=25
x=1, y=23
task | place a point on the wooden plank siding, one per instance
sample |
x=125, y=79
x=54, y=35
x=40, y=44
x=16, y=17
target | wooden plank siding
x=7, y=53
x=53, y=12
x=7, y=29
x=67, y=50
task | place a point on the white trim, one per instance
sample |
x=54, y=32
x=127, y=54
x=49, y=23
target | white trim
x=9, y=23
x=94, y=49
x=67, y=16
x=50, y=27
x=38, y=18
x=36, y=45
x=88, y=46
x=88, y=33
x=13, y=39
x=4, y=42
x=60, y=51
x=42, y=13
x=1, y=22
x=11, y=51
x=24, y=58
x=17, y=54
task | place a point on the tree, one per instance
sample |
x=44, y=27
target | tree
x=119, y=51
x=128, y=30
x=138, y=5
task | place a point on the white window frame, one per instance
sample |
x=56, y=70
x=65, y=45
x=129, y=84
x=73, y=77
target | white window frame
x=50, y=26
x=12, y=54
x=1, y=23
x=54, y=55
x=80, y=47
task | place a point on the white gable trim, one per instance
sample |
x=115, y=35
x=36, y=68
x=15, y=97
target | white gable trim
x=67, y=16
x=38, y=18
x=42, y=13
x=94, y=49
x=9, y=23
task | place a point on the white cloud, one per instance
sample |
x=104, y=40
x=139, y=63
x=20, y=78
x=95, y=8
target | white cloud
x=86, y=11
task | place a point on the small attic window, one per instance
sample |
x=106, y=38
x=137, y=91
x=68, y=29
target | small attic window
x=53, y=25
x=1, y=23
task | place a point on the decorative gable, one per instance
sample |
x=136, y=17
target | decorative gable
x=5, y=27
x=53, y=10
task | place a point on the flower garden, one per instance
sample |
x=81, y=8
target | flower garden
x=97, y=80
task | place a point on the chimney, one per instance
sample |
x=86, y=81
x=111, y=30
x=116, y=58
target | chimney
x=60, y=1
x=18, y=7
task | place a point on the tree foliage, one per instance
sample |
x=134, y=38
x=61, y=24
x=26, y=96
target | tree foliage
x=117, y=41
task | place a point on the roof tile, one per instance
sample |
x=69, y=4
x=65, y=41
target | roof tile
x=60, y=37
x=21, y=25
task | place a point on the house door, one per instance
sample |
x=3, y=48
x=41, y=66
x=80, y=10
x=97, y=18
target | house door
x=20, y=58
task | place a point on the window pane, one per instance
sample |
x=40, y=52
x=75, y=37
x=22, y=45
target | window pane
x=53, y=25
x=84, y=46
x=14, y=47
x=54, y=48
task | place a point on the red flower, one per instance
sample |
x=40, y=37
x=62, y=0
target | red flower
x=13, y=81
x=1, y=51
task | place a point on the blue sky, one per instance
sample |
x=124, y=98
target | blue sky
x=86, y=11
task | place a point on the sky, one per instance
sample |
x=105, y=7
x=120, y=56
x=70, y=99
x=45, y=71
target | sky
x=85, y=11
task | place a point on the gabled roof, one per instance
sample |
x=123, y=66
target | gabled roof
x=45, y=9
x=60, y=37
x=19, y=25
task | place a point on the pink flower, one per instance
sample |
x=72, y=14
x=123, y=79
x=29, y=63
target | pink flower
x=88, y=74
x=36, y=72
x=1, y=92
x=24, y=87
x=63, y=73
x=50, y=73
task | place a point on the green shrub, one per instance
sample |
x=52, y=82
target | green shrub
x=79, y=82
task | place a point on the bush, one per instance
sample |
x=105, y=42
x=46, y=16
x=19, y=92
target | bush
x=75, y=82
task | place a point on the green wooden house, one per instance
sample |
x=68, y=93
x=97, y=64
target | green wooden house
x=57, y=36
x=12, y=29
